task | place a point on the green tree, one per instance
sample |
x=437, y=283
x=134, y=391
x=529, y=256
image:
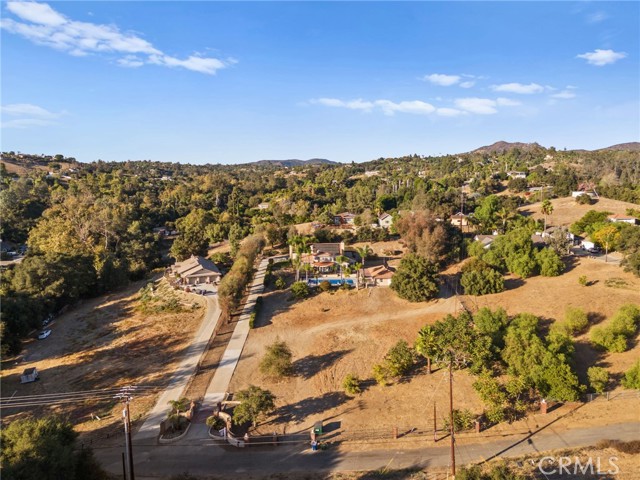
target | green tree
x=598, y=378
x=549, y=262
x=193, y=238
x=607, y=237
x=300, y=290
x=254, y=403
x=277, y=360
x=399, y=359
x=546, y=209
x=351, y=384
x=427, y=344
x=45, y=448
x=478, y=278
x=632, y=377
x=416, y=279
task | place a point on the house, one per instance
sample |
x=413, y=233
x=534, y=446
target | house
x=195, y=270
x=385, y=220
x=162, y=231
x=263, y=206
x=322, y=256
x=344, y=218
x=459, y=219
x=485, y=240
x=577, y=193
x=514, y=174
x=29, y=375
x=378, y=276
x=622, y=219
x=588, y=245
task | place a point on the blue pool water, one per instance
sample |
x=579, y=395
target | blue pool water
x=333, y=281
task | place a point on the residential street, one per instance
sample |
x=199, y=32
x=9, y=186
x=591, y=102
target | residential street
x=205, y=458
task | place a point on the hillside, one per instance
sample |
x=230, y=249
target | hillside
x=501, y=147
x=295, y=162
x=625, y=147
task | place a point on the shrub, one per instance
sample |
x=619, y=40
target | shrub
x=632, y=377
x=416, y=279
x=584, y=199
x=598, y=378
x=277, y=360
x=252, y=320
x=549, y=262
x=380, y=374
x=582, y=280
x=216, y=423
x=462, y=420
x=324, y=286
x=613, y=337
x=604, y=338
x=576, y=320
x=280, y=283
x=399, y=359
x=351, y=384
x=300, y=290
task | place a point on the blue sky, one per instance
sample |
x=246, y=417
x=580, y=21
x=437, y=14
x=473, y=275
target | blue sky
x=233, y=82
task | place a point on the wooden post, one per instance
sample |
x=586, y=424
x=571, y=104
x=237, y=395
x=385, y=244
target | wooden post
x=453, y=451
x=435, y=439
x=395, y=432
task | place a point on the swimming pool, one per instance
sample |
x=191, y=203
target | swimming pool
x=335, y=282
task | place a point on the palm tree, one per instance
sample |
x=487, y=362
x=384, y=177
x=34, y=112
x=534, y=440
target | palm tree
x=340, y=259
x=427, y=344
x=299, y=245
x=364, y=252
x=546, y=209
x=357, y=266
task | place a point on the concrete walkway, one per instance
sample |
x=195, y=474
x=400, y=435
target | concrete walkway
x=220, y=383
x=150, y=429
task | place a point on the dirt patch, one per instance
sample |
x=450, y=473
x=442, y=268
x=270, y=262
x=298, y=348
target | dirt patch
x=104, y=343
x=567, y=211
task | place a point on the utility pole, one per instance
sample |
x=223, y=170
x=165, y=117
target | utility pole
x=126, y=396
x=434, y=422
x=453, y=451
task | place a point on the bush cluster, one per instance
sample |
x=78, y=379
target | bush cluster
x=614, y=336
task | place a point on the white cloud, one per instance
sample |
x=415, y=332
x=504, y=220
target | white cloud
x=450, y=112
x=600, y=57
x=417, y=107
x=507, y=102
x=357, y=104
x=468, y=84
x=564, y=94
x=518, y=88
x=52, y=29
x=597, y=17
x=442, y=79
x=481, y=106
x=29, y=115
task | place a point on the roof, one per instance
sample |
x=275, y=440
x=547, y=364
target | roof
x=327, y=248
x=384, y=216
x=485, y=239
x=193, y=265
x=379, y=272
x=345, y=214
x=459, y=215
x=617, y=216
x=29, y=371
x=323, y=264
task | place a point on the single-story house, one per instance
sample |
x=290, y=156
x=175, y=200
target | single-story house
x=385, y=220
x=515, y=174
x=263, y=206
x=459, y=219
x=378, y=276
x=577, y=193
x=485, y=240
x=29, y=375
x=344, y=218
x=196, y=270
x=623, y=219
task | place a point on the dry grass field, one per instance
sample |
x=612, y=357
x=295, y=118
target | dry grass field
x=104, y=343
x=336, y=333
x=566, y=210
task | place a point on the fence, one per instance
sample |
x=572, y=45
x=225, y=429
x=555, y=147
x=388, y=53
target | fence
x=613, y=395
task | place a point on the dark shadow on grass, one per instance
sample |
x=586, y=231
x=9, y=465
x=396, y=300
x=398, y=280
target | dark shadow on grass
x=308, y=366
x=309, y=407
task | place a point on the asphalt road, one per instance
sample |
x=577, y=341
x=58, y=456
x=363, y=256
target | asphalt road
x=205, y=457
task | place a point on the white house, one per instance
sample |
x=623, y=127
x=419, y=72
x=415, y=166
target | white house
x=485, y=240
x=514, y=174
x=263, y=206
x=385, y=220
x=622, y=219
x=459, y=219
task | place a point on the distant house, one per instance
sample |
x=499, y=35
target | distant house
x=380, y=275
x=323, y=256
x=459, y=219
x=344, y=218
x=485, y=240
x=385, y=220
x=195, y=270
x=577, y=193
x=263, y=206
x=622, y=219
x=515, y=174
x=162, y=231
x=588, y=245
x=29, y=375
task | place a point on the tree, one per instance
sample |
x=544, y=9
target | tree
x=351, y=384
x=598, y=378
x=277, y=360
x=416, y=279
x=546, y=209
x=254, y=403
x=549, y=263
x=607, y=237
x=300, y=290
x=399, y=359
x=424, y=235
x=632, y=377
x=427, y=344
x=478, y=278
x=45, y=448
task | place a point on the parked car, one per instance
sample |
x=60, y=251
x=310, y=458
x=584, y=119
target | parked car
x=44, y=334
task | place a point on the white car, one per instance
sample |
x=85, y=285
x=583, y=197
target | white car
x=44, y=334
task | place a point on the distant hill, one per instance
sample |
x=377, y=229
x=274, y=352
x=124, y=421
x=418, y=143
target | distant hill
x=294, y=162
x=501, y=146
x=627, y=147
